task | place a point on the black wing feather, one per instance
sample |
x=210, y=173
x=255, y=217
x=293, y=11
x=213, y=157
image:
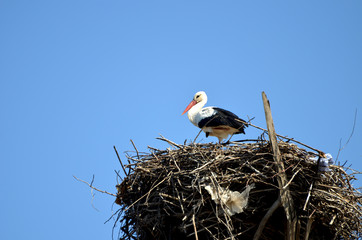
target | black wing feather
x=223, y=117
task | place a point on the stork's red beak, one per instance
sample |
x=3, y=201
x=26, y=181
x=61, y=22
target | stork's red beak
x=192, y=103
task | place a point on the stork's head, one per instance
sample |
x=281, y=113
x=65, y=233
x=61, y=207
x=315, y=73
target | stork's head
x=198, y=97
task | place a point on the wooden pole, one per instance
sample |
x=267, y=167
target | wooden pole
x=285, y=197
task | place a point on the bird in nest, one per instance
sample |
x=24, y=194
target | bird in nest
x=213, y=121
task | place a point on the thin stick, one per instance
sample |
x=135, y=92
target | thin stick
x=134, y=146
x=266, y=217
x=290, y=139
x=90, y=185
x=195, y=229
x=197, y=136
x=291, y=179
x=309, y=226
x=93, y=195
x=350, y=136
x=169, y=141
x=120, y=161
x=117, y=172
x=313, y=183
x=308, y=196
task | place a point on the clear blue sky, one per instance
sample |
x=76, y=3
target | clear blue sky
x=77, y=77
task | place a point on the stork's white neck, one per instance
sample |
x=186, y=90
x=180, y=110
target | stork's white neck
x=195, y=110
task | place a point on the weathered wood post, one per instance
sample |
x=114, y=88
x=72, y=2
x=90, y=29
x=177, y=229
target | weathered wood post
x=285, y=196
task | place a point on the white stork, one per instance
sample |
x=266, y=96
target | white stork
x=213, y=121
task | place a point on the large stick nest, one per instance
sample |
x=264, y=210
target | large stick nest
x=163, y=195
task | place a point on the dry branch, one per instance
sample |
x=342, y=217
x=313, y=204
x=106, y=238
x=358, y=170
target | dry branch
x=285, y=196
x=92, y=187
